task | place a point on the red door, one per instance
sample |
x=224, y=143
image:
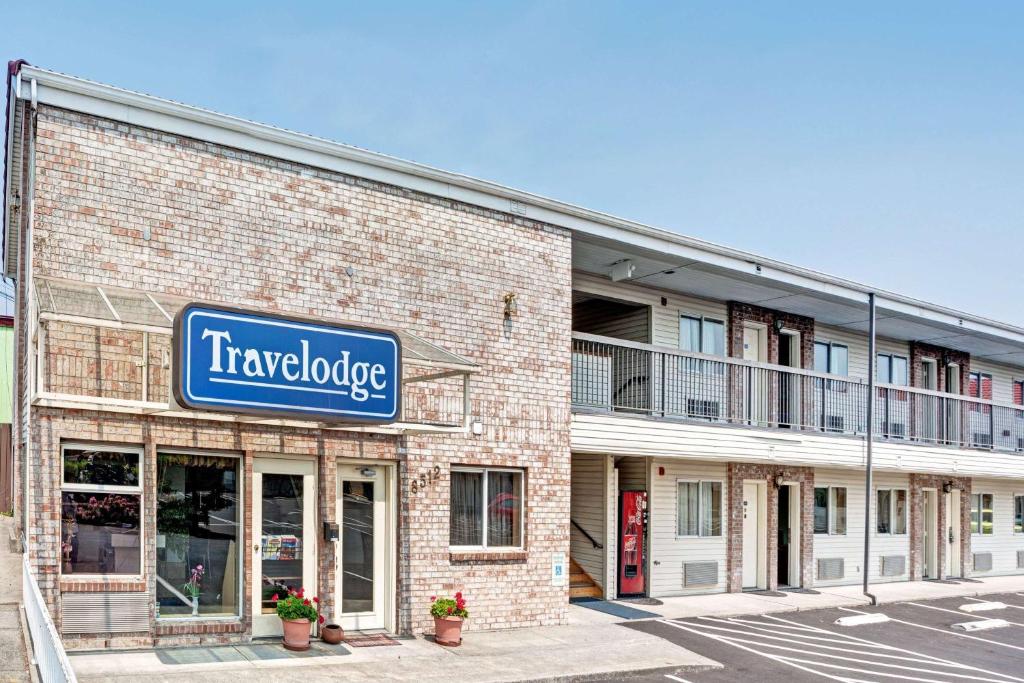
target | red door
x=632, y=524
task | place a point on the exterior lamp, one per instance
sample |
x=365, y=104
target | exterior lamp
x=511, y=307
x=778, y=479
x=947, y=487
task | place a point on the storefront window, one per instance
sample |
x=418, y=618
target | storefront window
x=100, y=503
x=486, y=499
x=197, y=544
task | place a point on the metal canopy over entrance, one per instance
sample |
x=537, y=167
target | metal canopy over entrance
x=109, y=348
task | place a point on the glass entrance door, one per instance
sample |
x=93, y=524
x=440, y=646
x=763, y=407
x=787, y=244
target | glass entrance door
x=284, y=537
x=363, y=547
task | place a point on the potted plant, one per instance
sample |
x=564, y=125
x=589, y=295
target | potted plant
x=297, y=613
x=193, y=587
x=448, y=615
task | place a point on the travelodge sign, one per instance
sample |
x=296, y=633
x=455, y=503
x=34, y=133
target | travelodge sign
x=232, y=360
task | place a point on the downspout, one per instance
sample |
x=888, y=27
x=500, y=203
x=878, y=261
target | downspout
x=869, y=446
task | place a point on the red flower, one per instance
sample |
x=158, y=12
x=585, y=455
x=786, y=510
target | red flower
x=449, y=610
x=275, y=598
x=301, y=591
x=321, y=619
x=316, y=600
x=433, y=598
x=305, y=602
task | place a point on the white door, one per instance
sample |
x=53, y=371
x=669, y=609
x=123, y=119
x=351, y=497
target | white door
x=284, y=536
x=754, y=350
x=930, y=533
x=363, y=548
x=953, y=533
x=751, y=536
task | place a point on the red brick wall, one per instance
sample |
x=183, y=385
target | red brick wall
x=235, y=227
x=740, y=313
x=804, y=477
x=919, y=482
x=943, y=358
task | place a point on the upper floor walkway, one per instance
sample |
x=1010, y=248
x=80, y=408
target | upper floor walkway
x=612, y=375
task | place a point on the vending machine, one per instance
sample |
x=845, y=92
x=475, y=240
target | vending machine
x=632, y=542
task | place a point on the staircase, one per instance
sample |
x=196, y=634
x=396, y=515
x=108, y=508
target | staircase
x=581, y=585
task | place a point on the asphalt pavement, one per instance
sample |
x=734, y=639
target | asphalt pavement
x=917, y=643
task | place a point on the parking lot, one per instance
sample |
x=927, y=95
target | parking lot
x=917, y=643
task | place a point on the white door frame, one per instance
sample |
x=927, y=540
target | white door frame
x=954, y=566
x=269, y=624
x=761, y=509
x=385, y=523
x=931, y=534
x=796, y=578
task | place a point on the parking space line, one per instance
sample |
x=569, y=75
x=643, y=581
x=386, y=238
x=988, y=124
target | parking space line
x=940, y=630
x=980, y=600
x=953, y=611
x=760, y=654
x=863, y=641
x=929, y=660
x=788, y=642
x=677, y=679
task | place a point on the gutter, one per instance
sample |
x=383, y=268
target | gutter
x=142, y=110
x=13, y=67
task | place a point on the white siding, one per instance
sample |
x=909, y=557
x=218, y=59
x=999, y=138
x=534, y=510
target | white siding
x=666, y=547
x=888, y=544
x=850, y=546
x=632, y=474
x=587, y=508
x=857, y=342
x=665, y=318
x=623, y=435
x=1002, y=378
x=1003, y=543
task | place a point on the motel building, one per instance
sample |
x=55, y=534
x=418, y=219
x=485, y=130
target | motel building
x=299, y=363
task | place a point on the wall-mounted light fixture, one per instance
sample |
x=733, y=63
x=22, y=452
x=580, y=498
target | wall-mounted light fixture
x=779, y=478
x=368, y=472
x=511, y=307
x=778, y=324
x=947, y=487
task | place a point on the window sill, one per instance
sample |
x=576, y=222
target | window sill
x=487, y=556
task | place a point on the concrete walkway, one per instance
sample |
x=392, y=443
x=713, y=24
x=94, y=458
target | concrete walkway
x=592, y=644
x=14, y=663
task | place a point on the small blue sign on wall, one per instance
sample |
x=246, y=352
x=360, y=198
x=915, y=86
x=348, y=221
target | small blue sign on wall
x=241, y=361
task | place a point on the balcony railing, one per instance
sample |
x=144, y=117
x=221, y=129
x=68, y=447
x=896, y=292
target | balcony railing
x=626, y=377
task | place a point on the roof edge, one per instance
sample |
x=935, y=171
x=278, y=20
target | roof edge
x=119, y=104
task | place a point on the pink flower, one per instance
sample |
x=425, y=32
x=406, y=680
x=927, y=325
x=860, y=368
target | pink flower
x=321, y=619
x=275, y=598
x=433, y=598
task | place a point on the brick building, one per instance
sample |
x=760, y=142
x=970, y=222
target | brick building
x=553, y=358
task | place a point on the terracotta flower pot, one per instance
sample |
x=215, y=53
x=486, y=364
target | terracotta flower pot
x=448, y=631
x=296, y=634
x=332, y=634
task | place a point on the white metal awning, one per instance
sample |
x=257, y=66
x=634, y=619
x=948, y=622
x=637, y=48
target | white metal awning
x=152, y=316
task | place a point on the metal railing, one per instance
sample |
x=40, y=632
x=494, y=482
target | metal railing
x=628, y=377
x=47, y=648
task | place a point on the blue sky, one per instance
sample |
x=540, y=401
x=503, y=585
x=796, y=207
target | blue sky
x=877, y=142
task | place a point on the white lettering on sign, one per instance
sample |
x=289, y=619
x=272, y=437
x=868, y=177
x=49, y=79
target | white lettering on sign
x=359, y=378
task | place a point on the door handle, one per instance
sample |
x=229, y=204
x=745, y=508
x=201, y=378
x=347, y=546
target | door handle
x=950, y=534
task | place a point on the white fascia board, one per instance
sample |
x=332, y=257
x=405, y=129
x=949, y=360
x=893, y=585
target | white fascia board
x=118, y=104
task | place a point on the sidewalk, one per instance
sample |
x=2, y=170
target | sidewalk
x=592, y=643
x=582, y=648
x=13, y=657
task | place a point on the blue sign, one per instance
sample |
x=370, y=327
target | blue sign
x=240, y=361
